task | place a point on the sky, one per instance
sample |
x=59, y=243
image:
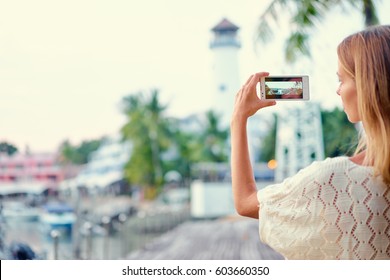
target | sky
x=65, y=66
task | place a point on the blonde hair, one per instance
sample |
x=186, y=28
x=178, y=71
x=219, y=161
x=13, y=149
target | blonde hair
x=365, y=56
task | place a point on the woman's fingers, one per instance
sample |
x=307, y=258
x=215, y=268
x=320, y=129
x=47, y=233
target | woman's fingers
x=256, y=78
x=246, y=101
x=249, y=79
x=267, y=103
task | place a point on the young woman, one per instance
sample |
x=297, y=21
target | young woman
x=338, y=208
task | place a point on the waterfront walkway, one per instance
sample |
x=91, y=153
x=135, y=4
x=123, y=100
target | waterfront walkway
x=230, y=238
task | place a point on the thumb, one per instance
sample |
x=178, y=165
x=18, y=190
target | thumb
x=267, y=103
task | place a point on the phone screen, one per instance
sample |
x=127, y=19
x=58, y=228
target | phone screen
x=283, y=88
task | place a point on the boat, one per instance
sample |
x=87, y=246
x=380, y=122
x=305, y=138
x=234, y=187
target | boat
x=58, y=215
x=18, y=210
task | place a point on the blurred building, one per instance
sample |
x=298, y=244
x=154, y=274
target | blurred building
x=299, y=139
x=211, y=194
x=225, y=46
x=30, y=167
x=104, y=169
x=29, y=172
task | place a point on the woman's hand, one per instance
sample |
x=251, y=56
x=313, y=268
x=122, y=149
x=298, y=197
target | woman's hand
x=247, y=103
x=243, y=183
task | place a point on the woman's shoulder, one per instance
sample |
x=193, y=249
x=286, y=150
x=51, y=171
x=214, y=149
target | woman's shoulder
x=338, y=164
x=328, y=165
x=323, y=171
x=338, y=169
x=333, y=161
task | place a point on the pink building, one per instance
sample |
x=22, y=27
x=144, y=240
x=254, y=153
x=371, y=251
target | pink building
x=37, y=168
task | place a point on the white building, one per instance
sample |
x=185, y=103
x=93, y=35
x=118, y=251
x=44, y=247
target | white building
x=214, y=199
x=299, y=139
x=225, y=46
x=105, y=166
x=299, y=131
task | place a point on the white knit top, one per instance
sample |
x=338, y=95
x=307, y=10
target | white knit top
x=333, y=209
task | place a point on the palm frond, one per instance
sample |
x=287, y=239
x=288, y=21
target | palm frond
x=270, y=15
x=297, y=44
x=305, y=15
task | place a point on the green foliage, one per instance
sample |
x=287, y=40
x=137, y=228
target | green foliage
x=149, y=132
x=161, y=144
x=297, y=42
x=189, y=150
x=78, y=154
x=210, y=145
x=268, y=145
x=214, y=139
x=7, y=148
x=305, y=15
x=340, y=136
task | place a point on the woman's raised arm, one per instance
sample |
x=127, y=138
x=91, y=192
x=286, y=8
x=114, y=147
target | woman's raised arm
x=244, y=187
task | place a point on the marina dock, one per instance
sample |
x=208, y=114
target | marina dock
x=230, y=238
x=152, y=232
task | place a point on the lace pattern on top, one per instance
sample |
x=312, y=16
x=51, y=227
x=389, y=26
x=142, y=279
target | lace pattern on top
x=332, y=209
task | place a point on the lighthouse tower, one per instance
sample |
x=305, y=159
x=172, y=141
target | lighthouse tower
x=225, y=46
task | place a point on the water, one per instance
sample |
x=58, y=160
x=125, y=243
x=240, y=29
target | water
x=136, y=232
x=133, y=234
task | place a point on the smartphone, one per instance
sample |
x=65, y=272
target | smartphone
x=285, y=88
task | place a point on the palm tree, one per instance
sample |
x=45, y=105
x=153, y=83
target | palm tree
x=148, y=130
x=189, y=149
x=305, y=14
x=214, y=139
x=208, y=144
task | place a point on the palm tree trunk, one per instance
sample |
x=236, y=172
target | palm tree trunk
x=369, y=13
x=155, y=156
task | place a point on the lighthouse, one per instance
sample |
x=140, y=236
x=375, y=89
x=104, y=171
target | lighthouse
x=225, y=45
